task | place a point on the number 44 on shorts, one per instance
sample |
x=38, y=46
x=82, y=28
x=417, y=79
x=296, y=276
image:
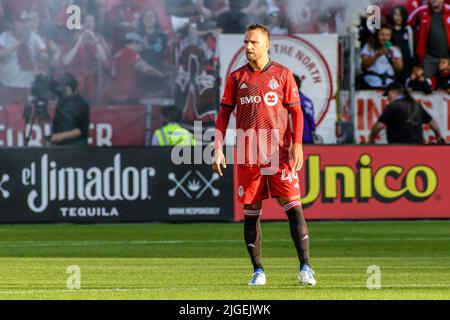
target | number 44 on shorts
x=291, y=175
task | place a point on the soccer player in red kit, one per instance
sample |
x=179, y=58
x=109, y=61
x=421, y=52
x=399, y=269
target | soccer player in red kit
x=264, y=93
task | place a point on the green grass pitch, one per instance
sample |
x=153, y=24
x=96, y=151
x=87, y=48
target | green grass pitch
x=209, y=261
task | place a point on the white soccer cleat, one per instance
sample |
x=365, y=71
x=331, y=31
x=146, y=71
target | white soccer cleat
x=306, y=276
x=258, y=278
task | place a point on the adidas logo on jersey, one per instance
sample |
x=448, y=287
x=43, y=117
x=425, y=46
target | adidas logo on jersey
x=243, y=86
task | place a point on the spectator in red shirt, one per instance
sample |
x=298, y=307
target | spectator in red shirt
x=127, y=65
x=432, y=25
x=123, y=19
x=85, y=57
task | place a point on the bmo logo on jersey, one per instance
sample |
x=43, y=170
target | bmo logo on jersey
x=250, y=100
x=271, y=99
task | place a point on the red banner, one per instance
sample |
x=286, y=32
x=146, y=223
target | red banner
x=110, y=126
x=370, y=182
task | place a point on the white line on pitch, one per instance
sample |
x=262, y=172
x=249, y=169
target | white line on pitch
x=156, y=242
x=217, y=288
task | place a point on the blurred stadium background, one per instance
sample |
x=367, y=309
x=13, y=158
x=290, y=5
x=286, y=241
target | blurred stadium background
x=146, y=65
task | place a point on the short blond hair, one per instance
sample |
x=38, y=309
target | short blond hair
x=260, y=27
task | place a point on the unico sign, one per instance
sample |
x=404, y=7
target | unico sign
x=372, y=182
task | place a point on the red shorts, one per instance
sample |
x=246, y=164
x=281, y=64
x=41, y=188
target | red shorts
x=257, y=184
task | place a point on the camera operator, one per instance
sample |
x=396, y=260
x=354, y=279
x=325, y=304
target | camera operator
x=71, y=122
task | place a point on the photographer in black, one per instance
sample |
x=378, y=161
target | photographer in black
x=403, y=118
x=71, y=122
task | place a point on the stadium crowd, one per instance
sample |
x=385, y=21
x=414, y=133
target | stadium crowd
x=129, y=50
x=126, y=49
x=412, y=47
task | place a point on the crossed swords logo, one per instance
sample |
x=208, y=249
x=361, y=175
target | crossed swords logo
x=5, y=194
x=179, y=184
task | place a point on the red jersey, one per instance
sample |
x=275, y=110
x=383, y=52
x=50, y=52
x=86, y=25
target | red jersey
x=83, y=68
x=420, y=20
x=126, y=82
x=123, y=20
x=262, y=100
